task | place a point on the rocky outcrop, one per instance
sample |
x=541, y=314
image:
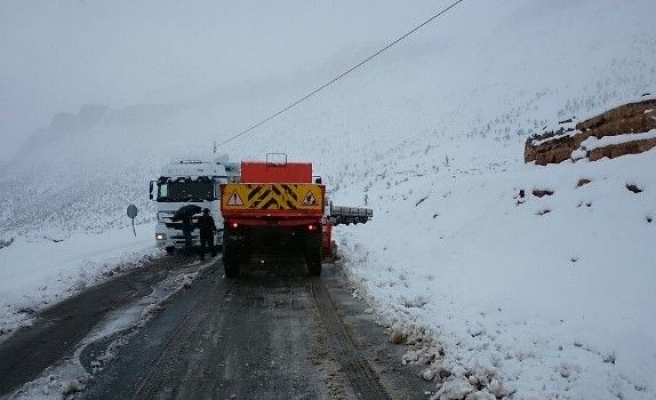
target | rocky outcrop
x=629, y=118
x=617, y=150
x=552, y=150
x=627, y=123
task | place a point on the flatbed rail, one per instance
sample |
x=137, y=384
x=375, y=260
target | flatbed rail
x=339, y=215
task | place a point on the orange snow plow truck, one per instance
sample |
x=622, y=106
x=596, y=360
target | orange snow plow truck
x=277, y=205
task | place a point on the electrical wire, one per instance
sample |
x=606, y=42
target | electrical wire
x=337, y=78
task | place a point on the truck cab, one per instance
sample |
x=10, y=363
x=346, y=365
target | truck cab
x=184, y=182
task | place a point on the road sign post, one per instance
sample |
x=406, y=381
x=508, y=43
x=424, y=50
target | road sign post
x=132, y=213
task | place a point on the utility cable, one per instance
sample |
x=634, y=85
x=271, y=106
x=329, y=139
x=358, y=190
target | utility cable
x=361, y=63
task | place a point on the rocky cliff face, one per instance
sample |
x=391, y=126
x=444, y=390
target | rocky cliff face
x=628, y=129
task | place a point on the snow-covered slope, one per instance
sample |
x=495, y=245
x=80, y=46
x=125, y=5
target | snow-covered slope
x=551, y=295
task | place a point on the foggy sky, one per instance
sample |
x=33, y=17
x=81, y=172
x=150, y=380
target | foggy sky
x=58, y=55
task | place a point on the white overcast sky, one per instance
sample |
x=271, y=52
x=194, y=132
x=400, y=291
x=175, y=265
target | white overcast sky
x=56, y=55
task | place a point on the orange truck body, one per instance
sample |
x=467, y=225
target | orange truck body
x=273, y=206
x=262, y=172
x=273, y=195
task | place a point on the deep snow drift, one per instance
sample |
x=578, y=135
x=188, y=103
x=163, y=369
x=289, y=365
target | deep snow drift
x=534, y=297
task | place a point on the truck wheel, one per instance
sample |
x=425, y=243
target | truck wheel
x=313, y=260
x=230, y=264
x=230, y=261
x=231, y=269
x=170, y=250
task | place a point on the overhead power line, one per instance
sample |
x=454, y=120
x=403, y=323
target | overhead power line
x=332, y=81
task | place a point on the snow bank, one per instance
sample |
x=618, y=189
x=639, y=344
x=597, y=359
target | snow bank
x=552, y=291
x=37, y=273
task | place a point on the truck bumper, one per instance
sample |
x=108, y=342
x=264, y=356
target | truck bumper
x=169, y=238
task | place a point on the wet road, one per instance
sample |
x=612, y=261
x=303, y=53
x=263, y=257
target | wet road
x=272, y=334
x=58, y=329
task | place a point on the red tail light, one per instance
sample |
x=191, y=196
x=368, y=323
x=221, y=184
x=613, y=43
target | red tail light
x=234, y=225
x=312, y=228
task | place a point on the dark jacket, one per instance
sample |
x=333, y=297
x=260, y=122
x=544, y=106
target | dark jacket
x=187, y=224
x=206, y=225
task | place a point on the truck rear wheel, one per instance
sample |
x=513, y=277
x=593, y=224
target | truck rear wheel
x=313, y=254
x=231, y=269
x=230, y=263
x=313, y=257
x=231, y=257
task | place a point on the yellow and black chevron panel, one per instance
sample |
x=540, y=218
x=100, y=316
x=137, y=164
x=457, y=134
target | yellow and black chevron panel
x=272, y=196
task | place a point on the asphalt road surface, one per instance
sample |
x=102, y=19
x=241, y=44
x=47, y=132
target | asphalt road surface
x=274, y=333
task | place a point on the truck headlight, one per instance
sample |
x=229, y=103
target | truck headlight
x=160, y=236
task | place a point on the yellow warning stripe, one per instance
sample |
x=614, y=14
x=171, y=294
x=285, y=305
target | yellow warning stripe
x=274, y=196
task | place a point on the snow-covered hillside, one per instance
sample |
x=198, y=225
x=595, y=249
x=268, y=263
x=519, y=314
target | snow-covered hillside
x=552, y=296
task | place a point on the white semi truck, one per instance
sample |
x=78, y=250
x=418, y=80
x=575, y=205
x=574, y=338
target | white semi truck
x=185, y=182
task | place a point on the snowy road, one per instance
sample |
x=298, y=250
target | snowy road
x=267, y=335
x=273, y=336
x=62, y=327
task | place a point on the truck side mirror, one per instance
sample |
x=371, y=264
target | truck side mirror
x=150, y=192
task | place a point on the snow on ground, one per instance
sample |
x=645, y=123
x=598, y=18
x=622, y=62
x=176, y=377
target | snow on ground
x=68, y=376
x=38, y=272
x=543, y=297
x=554, y=292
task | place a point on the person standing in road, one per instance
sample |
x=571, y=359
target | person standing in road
x=187, y=228
x=207, y=227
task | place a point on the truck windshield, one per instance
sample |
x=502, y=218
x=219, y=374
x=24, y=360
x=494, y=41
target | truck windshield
x=186, y=191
